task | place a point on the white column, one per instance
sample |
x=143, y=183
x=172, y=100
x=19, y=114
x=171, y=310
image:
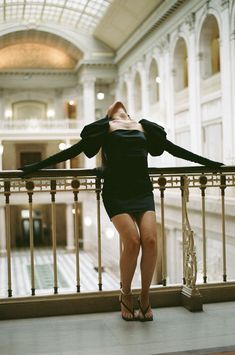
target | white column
x=70, y=245
x=167, y=86
x=130, y=101
x=194, y=94
x=169, y=90
x=1, y=153
x=2, y=231
x=144, y=90
x=67, y=162
x=161, y=72
x=59, y=105
x=117, y=90
x=89, y=110
x=1, y=105
x=226, y=87
x=233, y=87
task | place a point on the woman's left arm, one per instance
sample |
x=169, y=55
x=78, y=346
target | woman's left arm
x=158, y=143
x=183, y=153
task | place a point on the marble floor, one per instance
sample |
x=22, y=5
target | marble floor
x=43, y=264
x=174, y=330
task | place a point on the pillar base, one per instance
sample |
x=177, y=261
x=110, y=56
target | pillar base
x=191, y=299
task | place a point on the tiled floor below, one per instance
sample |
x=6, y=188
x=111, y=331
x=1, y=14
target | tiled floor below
x=174, y=329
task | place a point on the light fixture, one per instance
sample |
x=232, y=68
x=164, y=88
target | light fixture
x=158, y=79
x=8, y=113
x=1, y=149
x=25, y=213
x=88, y=221
x=71, y=102
x=50, y=113
x=100, y=95
x=62, y=146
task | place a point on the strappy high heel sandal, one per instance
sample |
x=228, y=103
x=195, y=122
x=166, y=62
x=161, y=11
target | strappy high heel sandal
x=144, y=318
x=131, y=311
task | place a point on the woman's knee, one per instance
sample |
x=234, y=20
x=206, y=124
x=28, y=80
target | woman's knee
x=131, y=241
x=149, y=240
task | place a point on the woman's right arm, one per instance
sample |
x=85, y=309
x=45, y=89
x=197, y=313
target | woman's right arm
x=92, y=138
x=66, y=154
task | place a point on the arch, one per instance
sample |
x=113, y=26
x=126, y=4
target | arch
x=173, y=42
x=84, y=42
x=29, y=109
x=200, y=22
x=180, y=65
x=209, y=47
x=153, y=82
x=137, y=92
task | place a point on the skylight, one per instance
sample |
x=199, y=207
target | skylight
x=78, y=14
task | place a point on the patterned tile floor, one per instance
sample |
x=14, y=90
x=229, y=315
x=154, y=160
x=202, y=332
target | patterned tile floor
x=43, y=261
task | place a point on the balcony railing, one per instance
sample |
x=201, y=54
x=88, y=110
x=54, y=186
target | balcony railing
x=34, y=124
x=59, y=185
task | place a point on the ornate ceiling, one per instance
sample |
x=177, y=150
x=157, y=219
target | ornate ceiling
x=37, y=49
x=82, y=15
x=58, y=33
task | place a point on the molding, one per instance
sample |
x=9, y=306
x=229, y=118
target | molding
x=158, y=17
x=96, y=63
x=32, y=72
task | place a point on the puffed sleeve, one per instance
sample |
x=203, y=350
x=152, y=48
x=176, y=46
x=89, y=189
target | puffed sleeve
x=92, y=138
x=156, y=137
x=157, y=143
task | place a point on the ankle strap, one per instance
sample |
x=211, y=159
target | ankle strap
x=126, y=294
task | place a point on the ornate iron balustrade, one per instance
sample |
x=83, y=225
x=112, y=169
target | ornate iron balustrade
x=55, y=181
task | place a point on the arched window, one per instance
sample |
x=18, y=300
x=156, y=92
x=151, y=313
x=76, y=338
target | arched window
x=209, y=47
x=180, y=65
x=154, y=83
x=137, y=92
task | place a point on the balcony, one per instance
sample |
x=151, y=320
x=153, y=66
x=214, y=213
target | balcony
x=33, y=126
x=173, y=331
x=90, y=289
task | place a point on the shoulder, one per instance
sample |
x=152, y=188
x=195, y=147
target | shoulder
x=97, y=127
x=152, y=128
x=149, y=124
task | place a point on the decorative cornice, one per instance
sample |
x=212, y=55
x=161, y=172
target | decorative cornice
x=30, y=73
x=149, y=27
x=96, y=63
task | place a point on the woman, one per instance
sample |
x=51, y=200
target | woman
x=127, y=191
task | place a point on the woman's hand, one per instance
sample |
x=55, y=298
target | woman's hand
x=27, y=169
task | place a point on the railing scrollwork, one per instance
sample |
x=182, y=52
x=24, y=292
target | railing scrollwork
x=190, y=259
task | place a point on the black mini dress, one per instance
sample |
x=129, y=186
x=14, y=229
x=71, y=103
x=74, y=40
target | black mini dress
x=127, y=187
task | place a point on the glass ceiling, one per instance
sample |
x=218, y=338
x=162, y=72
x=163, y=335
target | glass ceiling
x=79, y=14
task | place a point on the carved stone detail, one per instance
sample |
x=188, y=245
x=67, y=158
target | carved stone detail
x=190, y=21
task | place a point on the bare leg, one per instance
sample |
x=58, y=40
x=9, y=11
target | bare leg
x=147, y=226
x=129, y=234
